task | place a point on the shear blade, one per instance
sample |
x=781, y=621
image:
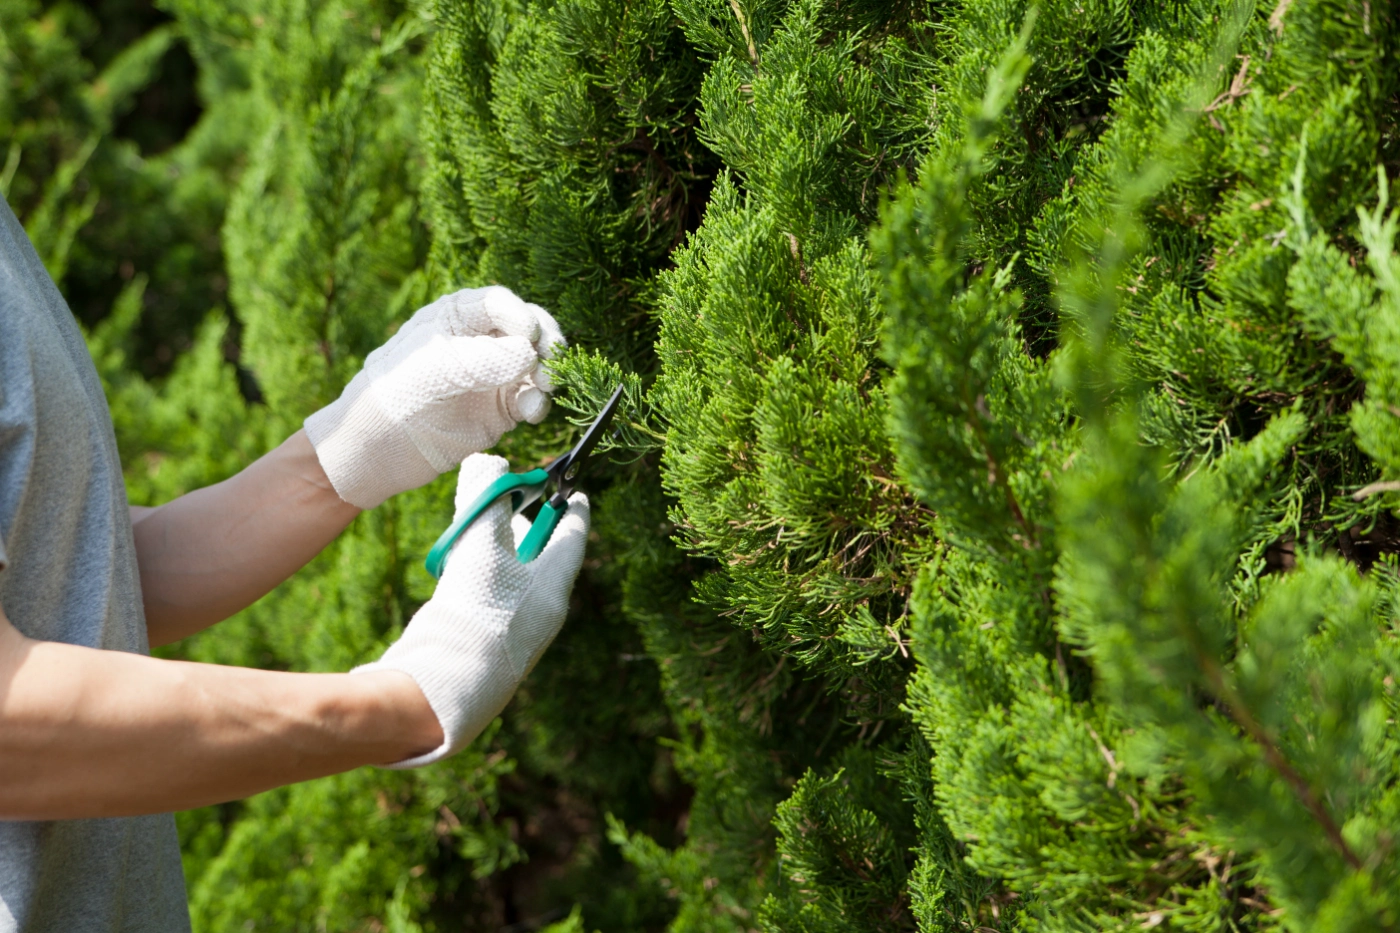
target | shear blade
x=566, y=470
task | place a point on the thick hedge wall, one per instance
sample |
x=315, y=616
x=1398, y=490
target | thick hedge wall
x=1001, y=534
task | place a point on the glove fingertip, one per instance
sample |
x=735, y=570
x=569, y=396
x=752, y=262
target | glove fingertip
x=552, y=349
x=477, y=472
x=483, y=464
x=550, y=342
x=509, y=315
x=542, y=378
x=530, y=405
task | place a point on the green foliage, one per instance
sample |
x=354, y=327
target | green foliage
x=563, y=156
x=999, y=532
x=1356, y=311
x=841, y=860
x=775, y=451
x=100, y=205
x=1127, y=705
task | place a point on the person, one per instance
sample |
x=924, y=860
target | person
x=99, y=742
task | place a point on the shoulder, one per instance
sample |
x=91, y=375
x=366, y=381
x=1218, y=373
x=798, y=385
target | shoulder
x=42, y=354
x=26, y=289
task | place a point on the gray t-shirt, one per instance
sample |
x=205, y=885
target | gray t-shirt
x=68, y=574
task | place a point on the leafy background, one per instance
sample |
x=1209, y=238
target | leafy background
x=1001, y=533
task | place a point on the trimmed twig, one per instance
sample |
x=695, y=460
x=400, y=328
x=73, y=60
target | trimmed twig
x=1364, y=492
x=744, y=28
x=1275, y=757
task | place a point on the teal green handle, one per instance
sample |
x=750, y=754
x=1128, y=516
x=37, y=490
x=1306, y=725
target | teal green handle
x=538, y=535
x=523, y=488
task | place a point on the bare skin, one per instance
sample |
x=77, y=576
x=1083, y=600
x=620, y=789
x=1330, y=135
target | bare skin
x=217, y=550
x=87, y=733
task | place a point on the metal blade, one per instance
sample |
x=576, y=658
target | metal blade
x=567, y=468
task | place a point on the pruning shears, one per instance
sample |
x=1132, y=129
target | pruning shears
x=524, y=488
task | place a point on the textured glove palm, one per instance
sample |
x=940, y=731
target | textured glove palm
x=459, y=374
x=491, y=617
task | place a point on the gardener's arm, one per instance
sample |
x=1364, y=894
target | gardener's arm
x=210, y=553
x=460, y=373
x=86, y=733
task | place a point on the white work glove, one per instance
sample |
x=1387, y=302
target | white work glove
x=462, y=372
x=491, y=617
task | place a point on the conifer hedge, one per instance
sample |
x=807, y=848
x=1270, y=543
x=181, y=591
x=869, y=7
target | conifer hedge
x=1001, y=530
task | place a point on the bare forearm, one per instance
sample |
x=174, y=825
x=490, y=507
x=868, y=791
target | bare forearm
x=214, y=551
x=87, y=733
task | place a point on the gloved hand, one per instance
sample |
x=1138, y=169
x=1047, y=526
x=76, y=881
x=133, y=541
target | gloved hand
x=463, y=371
x=491, y=617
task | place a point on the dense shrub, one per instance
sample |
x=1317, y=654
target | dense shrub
x=93, y=99
x=1000, y=533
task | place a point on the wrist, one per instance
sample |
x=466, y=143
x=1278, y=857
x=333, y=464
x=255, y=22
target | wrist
x=299, y=457
x=392, y=715
x=302, y=459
